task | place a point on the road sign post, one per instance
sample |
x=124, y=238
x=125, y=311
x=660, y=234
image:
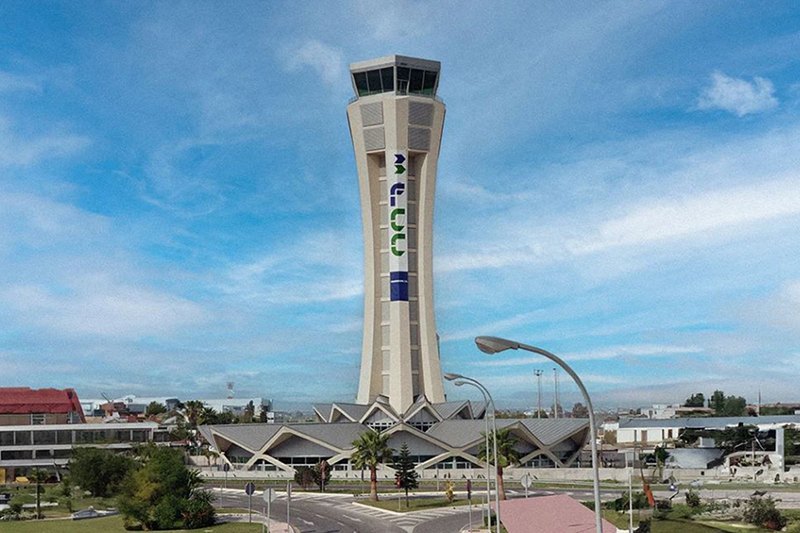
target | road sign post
x=225, y=468
x=288, y=502
x=269, y=495
x=249, y=489
x=469, y=499
x=526, y=481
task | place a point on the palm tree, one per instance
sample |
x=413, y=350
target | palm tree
x=506, y=455
x=371, y=449
x=192, y=410
x=38, y=477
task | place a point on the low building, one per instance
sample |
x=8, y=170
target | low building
x=23, y=447
x=26, y=406
x=651, y=432
x=662, y=411
x=450, y=444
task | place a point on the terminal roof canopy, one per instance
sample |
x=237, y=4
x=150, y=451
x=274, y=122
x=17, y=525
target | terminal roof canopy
x=396, y=74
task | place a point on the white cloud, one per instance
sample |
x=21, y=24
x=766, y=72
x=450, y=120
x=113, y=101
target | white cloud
x=780, y=311
x=15, y=151
x=14, y=82
x=611, y=352
x=317, y=268
x=101, y=306
x=738, y=96
x=642, y=223
x=327, y=61
x=700, y=214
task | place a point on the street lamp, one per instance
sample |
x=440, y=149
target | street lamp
x=458, y=383
x=463, y=380
x=493, y=345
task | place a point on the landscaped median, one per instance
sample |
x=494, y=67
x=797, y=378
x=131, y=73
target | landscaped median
x=397, y=503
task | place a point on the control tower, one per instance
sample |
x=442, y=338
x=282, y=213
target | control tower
x=396, y=126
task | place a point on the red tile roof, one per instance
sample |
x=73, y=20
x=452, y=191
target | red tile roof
x=549, y=514
x=24, y=400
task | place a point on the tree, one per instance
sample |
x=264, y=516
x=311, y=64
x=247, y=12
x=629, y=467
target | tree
x=303, y=476
x=249, y=413
x=734, y=406
x=405, y=477
x=695, y=400
x=99, y=471
x=661, y=454
x=38, y=477
x=717, y=402
x=371, y=449
x=448, y=492
x=163, y=493
x=506, y=455
x=262, y=414
x=155, y=408
x=192, y=411
x=580, y=411
x=321, y=474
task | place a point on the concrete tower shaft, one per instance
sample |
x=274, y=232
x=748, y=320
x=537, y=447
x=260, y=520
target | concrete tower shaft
x=396, y=126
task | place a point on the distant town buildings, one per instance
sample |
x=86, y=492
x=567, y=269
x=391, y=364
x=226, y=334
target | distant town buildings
x=26, y=406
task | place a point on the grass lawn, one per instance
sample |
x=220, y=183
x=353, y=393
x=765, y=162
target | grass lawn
x=415, y=504
x=25, y=494
x=110, y=524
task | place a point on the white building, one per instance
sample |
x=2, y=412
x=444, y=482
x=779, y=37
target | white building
x=651, y=432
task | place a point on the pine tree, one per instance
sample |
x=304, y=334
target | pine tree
x=405, y=477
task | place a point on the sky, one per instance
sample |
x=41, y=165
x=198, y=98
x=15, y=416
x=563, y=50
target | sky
x=619, y=183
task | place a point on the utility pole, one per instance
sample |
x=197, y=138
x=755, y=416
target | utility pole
x=555, y=393
x=538, y=373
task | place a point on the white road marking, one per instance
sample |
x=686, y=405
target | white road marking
x=351, y=518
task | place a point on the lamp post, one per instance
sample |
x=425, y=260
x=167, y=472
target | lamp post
x=463, y=380
x=458, y=383
x=493, y=345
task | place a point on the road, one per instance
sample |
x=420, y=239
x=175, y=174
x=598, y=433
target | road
x=337, y=513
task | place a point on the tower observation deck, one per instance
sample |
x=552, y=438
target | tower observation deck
x=396, y=126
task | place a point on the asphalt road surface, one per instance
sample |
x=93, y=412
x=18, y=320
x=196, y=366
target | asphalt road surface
x=336, y=513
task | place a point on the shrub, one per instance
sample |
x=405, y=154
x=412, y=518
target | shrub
x=303, y=476
x=692, y=499
x=199, y=512
x=763, y=513
x=621, y=503
x=158, y=494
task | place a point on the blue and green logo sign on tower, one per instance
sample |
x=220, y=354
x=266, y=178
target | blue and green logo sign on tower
x=398, y=205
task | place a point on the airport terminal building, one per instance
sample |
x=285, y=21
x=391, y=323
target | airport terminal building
x=396, y=122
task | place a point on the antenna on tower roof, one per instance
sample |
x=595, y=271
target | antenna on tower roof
x=230, y=390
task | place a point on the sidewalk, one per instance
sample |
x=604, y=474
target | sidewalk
x=274, y=525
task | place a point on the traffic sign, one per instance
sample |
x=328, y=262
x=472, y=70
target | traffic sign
x=226, y=467
x=249, y=488
x=526, y=480
x=269, y=495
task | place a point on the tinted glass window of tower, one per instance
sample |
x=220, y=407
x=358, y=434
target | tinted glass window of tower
x=409, y=81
